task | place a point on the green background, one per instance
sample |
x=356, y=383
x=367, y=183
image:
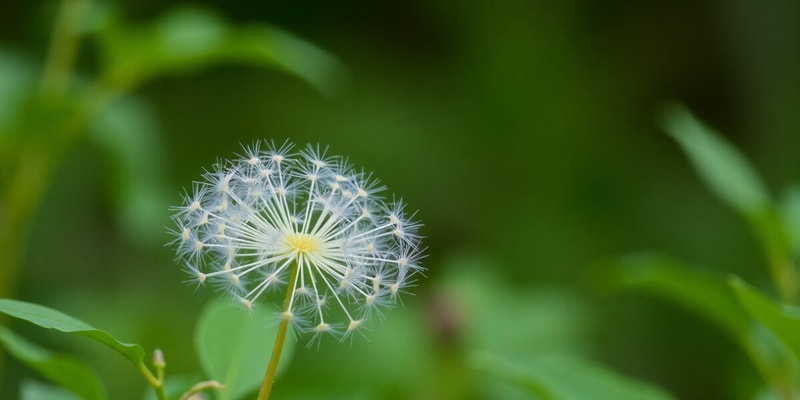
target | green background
x=525, y=134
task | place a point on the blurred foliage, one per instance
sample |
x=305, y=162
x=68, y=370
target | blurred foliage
x=190, y=39
x=705, y=292
x=33, y=390
x=231, y=346
x=564, y=378
x=765, y=328
x=52, y=319
x=67, y=372
x=523, y=131
x=781, y=319
x=736, y=182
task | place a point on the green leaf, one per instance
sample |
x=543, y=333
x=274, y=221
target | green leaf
x=708, y=295
x=790, y=211
x=564, y=378
x=398, y=338
x=33, y=390
x=128, y=133
x=728, y=173
x=722, y=167
x=703, y=292
x=782, y=320
x=269, y=46
x=65, y=371
x=17, y=83
x=528, y=321
x=51, y=319
x=234, y=346
x=187, y=39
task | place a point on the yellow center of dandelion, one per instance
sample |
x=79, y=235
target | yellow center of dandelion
x=302, y=243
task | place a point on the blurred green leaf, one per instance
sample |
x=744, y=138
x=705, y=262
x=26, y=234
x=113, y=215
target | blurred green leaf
x=564, y=378
x=65, y=371
x=423, y=342
x=766, y=394
x=703, y=292
x=391, y=352
x=710, y=296
x=512, y=320
x=790, y=211
x=185, y=39
x=234, y=346
x=268, y=46
x=782, y=320
x=128, y=134
x=17, y=80
x=728, y=173
x=722, y=167
x=34, y=390
x=48, y=318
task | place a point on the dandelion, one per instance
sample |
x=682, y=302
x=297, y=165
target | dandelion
x=305, y=224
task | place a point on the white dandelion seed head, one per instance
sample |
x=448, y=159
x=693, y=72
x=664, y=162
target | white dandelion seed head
x=255, y=219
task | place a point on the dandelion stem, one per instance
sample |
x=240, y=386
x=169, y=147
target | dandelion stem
x=272, y=368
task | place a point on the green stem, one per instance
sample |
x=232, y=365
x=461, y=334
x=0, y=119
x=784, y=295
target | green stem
x=786, y=279
x=771, y=232
x=158, y=385
x=63, y=47
x=200, y=387
x=777, y=377
x=272, y=368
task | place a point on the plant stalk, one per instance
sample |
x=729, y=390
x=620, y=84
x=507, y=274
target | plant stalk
x=158, y=385
x=272, y=368
x=63, y=49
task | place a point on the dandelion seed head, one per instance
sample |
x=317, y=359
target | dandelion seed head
x=353, y=325
x=322, y=327
x=376, y=283
x=255, y=219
